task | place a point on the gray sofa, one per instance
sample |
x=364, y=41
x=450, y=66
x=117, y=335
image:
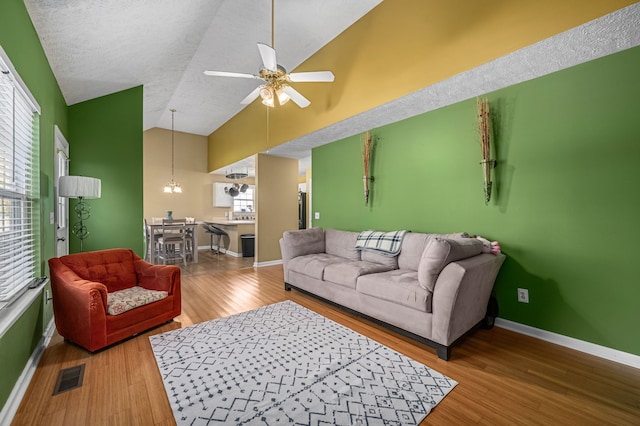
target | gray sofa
x=435, y=290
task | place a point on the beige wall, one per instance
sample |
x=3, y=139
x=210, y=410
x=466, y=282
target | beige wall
x=190, y=170
x=276, y=204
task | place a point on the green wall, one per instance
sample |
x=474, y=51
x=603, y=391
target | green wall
x=20, y=41
x=566, y=202
x=105, y=138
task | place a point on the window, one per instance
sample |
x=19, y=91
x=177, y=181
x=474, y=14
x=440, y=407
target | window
x=244, y=201
x=19, y=184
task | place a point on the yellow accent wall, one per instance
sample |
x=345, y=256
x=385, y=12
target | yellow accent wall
x=399, y=47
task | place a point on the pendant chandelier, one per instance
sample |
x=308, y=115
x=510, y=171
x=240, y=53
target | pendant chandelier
x=172, y=186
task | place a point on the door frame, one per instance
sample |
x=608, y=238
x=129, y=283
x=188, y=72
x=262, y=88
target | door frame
x=61, y=213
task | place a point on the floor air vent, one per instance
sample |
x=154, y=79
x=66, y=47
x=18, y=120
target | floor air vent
x=69, y=378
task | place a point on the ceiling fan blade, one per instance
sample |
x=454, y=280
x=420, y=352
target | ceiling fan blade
x=230, y=74
x=296, y=97
x=251, y=96
x=313, y=76
x=268, y=55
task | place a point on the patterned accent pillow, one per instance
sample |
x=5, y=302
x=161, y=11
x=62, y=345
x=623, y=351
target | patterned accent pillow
x=124, y=300
x=386, y=243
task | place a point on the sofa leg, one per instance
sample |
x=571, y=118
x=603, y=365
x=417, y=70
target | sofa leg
x=287, y=287
x=444, y=352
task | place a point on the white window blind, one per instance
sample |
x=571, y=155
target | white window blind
x=19, y=185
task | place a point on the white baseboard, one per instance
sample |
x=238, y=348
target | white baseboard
x=222, y=250
x=569, y=342
x=13, y=402
x=268, y=263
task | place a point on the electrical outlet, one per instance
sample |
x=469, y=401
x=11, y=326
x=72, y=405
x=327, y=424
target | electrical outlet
x=523, y=295
x=317, y=215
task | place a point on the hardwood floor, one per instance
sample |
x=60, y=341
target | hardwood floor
x=504, y=378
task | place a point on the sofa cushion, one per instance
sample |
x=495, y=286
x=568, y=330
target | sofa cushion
x=373, y=257
x=347, y=273
x=127, y=299
x=399, y=286
x=413, y=246
x=341, y=243
x=313, y=265
x=442, y=251
x=304, y=241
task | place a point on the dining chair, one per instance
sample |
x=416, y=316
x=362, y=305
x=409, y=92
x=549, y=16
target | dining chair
x=190, y=239
x=172, y=245
x=147, y=237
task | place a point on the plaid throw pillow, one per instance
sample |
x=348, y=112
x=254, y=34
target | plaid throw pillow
x=387, y=243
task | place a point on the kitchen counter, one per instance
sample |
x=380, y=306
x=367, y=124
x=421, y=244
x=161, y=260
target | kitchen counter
x=233, y=228
x=231, y=222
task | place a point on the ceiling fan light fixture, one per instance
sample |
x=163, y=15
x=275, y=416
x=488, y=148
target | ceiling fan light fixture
x=283, y=98
x=266, y=93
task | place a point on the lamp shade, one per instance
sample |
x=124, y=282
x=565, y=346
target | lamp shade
x=79, y=186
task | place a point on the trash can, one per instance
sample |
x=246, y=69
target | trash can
x=248, y=244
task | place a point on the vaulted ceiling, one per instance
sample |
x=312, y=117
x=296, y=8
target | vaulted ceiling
x=98, y=47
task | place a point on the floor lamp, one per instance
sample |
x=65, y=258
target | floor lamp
x=80, y=187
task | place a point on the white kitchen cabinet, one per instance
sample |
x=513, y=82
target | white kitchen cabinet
x=220, y=198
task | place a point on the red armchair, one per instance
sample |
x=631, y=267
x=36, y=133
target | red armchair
x=81, y=282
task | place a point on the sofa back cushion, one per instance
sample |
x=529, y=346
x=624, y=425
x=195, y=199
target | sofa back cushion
x=114, y=268
x=341, y=243
x=304, y=241
x=413, y=245
x=442, y=251
x=381, y=259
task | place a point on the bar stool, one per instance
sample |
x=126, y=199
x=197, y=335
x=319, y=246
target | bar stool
x=213, y=230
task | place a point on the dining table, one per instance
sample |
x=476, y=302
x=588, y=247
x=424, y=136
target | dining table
x=155, y=228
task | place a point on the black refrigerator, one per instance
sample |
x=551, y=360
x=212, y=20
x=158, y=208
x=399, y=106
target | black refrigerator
x=302, y=210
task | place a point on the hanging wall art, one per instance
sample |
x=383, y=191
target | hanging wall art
x=367, y=150
x=484, y=133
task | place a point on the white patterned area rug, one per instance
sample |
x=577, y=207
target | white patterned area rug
x=284, y=364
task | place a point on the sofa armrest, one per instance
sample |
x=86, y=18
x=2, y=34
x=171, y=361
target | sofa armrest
x=80, y=306
x=461, y=295
x=300, y=242
x=303, y=242
x=286, y=257
x=157, y=277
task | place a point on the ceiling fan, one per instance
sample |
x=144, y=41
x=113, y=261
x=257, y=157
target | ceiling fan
x=277, y=82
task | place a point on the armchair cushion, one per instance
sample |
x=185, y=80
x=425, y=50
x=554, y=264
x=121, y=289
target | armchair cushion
x=112, y=268
x=124, y=300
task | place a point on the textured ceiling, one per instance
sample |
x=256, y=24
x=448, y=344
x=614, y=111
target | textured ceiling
x=98, y=47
